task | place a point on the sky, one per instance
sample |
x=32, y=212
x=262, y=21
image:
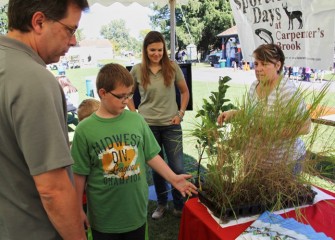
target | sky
x=135, y=15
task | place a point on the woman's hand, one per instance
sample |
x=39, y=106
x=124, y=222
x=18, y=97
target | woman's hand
x=225, y=116
x=176, y=120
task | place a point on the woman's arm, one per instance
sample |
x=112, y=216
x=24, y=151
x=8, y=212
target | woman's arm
x=306, y=127
x=185, y=96
x=225, y=116
x=131, y=105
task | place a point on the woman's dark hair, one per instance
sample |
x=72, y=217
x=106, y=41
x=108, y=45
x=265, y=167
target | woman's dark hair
x=168, y=69
x=270, y=53
x=20, y=12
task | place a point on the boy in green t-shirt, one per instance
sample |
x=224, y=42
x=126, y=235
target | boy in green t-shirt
x=110, y=149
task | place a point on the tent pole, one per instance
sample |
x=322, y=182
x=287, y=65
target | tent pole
x=172, y=28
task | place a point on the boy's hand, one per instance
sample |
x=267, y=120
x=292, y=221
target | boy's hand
x=85, y=219
x=183, y=185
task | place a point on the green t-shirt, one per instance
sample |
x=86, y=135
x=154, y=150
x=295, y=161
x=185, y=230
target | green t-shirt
x=112, y=154
x=158, y=103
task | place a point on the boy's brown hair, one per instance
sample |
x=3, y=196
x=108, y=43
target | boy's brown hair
x=87, y=107
x=113, y=75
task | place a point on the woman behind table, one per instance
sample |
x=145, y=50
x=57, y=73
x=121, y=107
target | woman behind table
x=156, y=78
x=270, y=86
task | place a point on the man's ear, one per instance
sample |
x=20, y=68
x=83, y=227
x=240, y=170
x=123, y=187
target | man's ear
x=37, y=21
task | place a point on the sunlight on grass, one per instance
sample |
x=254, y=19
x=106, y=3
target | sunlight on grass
x=323, y=183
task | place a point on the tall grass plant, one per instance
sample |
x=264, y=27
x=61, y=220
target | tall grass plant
x=250, y=158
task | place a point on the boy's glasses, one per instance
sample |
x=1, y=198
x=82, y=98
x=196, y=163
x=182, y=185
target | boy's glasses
x=71, y=30
x=123, y=98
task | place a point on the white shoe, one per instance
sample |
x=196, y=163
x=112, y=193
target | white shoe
x=159, y=212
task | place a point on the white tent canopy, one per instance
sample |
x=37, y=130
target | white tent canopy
x=172, y=4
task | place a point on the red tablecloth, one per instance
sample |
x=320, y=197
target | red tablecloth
x=197, y=223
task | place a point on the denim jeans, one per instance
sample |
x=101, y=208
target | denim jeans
x=170, y=138
x=298, y=165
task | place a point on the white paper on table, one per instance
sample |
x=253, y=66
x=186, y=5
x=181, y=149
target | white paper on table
x=273, y=226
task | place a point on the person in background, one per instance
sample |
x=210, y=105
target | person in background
x=308, y=73
x=70, y=91
x=303, y=74
x=87, y=107
x=234, y=66
x=61, y=69
x=110, y=149
x=37, y=195
x=71, y=96
x=178, y=55
x=271, y=87
x=290, y=72
x=295, y=73
x=156, y=78
x=246, y=66
x=318, y=75
x=183, y=56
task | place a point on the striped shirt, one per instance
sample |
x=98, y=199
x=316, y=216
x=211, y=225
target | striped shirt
x=282, y=149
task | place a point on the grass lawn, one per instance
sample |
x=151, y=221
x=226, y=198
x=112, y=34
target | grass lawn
x=168, y=227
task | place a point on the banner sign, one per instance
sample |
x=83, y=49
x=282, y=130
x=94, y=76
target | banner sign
x=304, y=29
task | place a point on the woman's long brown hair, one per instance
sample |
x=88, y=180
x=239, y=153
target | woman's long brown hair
x=168, y=69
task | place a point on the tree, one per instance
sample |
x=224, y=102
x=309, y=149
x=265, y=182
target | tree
x=217, y=17
x=198, y=22
x=160, y=20
x=118, y=34
x=143, y=33
x=79, y=35
x=3, y=19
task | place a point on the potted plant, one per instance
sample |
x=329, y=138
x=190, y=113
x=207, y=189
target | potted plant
x=241, y=179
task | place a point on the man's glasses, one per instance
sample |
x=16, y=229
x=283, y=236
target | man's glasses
x=123, y=98
x=71, y=30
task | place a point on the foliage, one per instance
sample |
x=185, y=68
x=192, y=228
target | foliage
x=244, y=168
x=198, y=22
x=209, y=113
x=3, y=19
x=160, y=19
x=79, y=35
x=206, y=130
x=118, y=34
x=143, y=33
